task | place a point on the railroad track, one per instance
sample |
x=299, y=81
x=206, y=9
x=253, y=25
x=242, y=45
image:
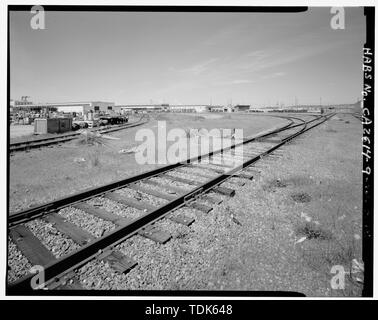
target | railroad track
x=143, y=200
x=37, y=143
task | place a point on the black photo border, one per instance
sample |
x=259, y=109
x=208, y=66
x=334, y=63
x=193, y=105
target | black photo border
x=368, y=179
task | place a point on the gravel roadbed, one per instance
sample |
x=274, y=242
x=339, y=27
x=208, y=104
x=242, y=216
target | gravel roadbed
x=157, y=188
x=116, y=208
x=194, y=171
x=18, y=264
x=99, y=275
x=178, y=184
x=141, y=196
x=249, y=242
x=94, y=225
x=188, y=176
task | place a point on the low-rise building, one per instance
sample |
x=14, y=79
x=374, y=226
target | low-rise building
x=70, y=107
x=140, y=108
x=242, y=107
x=189, y=108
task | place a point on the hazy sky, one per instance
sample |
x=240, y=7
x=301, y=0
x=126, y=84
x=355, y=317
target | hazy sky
x=194, y=58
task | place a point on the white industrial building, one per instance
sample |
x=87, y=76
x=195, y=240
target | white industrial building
x=72, y=107
x=189, y=108
x=139, y=108
x=163, y=107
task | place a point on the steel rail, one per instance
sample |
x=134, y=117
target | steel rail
x=58, y=268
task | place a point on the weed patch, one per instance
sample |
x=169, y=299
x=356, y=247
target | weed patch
x=301, y=197
x=275, y=184
x=311, y=230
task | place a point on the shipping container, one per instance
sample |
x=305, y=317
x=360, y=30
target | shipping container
x=65, y=124
x=52, y=125
x=40, y=126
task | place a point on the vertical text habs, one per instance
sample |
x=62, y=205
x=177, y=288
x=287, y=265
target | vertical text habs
x=366, y=116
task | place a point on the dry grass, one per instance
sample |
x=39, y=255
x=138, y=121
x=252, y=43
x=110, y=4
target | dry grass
x=323, y=179
x=301, y=197
x=92, y=140
x=313, y=231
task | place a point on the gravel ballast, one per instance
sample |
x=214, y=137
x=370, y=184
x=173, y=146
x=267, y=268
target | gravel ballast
x=141, y=196
x=94, y=225
x=18, y=264
x=168, y=182
x=116, y=208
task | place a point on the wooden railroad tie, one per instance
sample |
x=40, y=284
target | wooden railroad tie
x=182, y=180
x=171, y=188
x=225, y=191
x=199, y=206
x=221, y=163
x=221, y=190
x=30, y=246
x=155, y=234
x=157, y=194
x=67, y=228
x=210, y=199
x=199, y=174
x=117, y=260
x=140, y=205
x=205, y=167
x=181, y=218
x=100, y=213
x=237, y=181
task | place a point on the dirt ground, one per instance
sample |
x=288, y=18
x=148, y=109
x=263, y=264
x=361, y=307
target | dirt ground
x=18, y=131
x=299, y=218
x=48, y=173
x=283, y=231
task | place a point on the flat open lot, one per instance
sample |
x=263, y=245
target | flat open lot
x=300, y=217
x=45, y=174
x=21, y=131
x=284, y=230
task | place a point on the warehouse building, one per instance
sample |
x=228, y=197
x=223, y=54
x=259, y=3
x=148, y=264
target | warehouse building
x=139, y=108
x=189, y=108
x=163, y=107
x=242, y=107
x=71, y=107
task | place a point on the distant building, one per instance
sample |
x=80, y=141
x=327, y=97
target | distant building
x=189, y=108
x=70, y=107
x=216, y=108
x=242, y=107
x=140, y=108
x=167, y=107
x=23, y=102
x=255, y=109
